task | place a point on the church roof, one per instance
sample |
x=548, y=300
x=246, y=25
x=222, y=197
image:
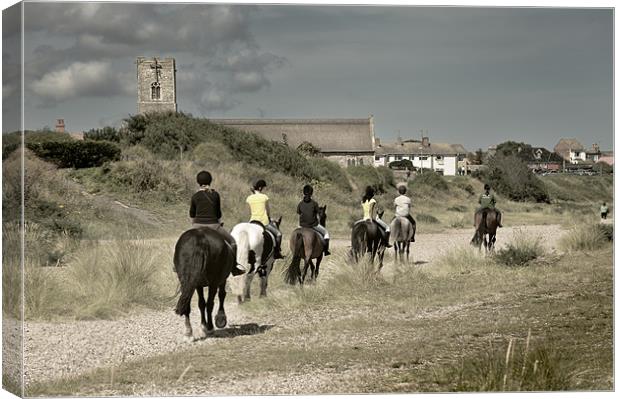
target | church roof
x=332, y=136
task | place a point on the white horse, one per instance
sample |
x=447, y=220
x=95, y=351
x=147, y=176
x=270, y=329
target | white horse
x=250, y=247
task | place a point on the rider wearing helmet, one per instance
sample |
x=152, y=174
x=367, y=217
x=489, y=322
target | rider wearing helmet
x=487, y=200
x=259, y=212
x=403, y=207
x=308, y=211
x=369, y=206
x=205, y=211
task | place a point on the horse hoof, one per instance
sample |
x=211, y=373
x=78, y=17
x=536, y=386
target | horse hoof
x=188, y=339
x=220, y=320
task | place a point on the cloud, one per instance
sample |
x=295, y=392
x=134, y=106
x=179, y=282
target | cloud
x=79, y=79
x=89, y=34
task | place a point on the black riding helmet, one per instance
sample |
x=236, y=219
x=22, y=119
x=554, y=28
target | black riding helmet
x=487, y=187
x=204, y=178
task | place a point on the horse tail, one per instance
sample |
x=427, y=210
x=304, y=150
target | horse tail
x=292, y=272
x=483, y=222
x=183, y=304
x=243, y=248
x=359, y=240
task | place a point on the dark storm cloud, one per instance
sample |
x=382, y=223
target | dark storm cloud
x=89, y=40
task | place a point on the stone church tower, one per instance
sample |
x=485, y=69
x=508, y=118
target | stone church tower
x=157, y=85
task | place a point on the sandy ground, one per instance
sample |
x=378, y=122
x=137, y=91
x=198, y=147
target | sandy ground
x=53, y=350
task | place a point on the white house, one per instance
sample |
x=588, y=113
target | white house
x=440, y=157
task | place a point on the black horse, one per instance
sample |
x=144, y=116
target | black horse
x=202, y=258
x=366, y=237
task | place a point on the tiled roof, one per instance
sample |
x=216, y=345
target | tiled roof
x=416, y=148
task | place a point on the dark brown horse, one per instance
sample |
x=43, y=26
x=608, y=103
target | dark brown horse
x=307, y=245
x=202, y=258
x=486, y=229
x=367, y=238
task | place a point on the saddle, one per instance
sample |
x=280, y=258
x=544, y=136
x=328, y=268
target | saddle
x=268, y=242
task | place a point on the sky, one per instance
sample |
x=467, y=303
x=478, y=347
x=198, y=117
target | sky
x=473, y=76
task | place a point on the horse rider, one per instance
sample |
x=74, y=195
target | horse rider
x=259, y=212
x=308, y=211
x=369, y=206
x=205, y=211
x=487, y=200
x=403, y=207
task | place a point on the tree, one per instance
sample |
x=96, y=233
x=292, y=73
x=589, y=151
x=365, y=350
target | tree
x=510, y=176
x=308, y=149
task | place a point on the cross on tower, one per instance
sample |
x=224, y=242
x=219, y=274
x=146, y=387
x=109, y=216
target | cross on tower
x=157, y=69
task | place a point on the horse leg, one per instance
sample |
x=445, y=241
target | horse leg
x=263, y=278
x=381, y=254
x=189, y=335
x=210, y=303
x=220, y=318
x=407, y=250
x=318, y=264
x=248, y=285
x=307, y=263
x=202, y=304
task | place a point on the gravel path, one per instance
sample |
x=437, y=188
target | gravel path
x=54, y=350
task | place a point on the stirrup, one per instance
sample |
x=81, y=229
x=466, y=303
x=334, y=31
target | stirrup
x=237, y=270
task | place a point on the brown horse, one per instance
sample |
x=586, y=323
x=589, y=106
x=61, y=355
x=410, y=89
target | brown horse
x=367, y=238
x=307, y=245
x=402, y=231
x=486, y=229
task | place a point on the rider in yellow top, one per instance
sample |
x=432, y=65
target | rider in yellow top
x=259, y=212
x=369, y=206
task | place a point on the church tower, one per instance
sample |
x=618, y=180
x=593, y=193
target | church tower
x=157, y=85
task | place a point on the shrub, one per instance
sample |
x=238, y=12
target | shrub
x=512, y=367
x=458, y=208
x=331, y=172
x=136, y=152
x=402, y=164
x=431, y=179
x=511, y=177
x=76, y=154
x=587, y=237
x=12, y=141
x=366, y=175
x=520, y=250
x=426, y=218
x=108, y=133
x=147, y=177
x=308, y=149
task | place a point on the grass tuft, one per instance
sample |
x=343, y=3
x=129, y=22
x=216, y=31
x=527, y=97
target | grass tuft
x=587, y=237
x=521, y=250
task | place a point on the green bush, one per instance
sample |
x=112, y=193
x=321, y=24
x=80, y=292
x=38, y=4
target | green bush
x=76, y=154
x=108, y=133
x=458, y=208
x=12, y=141
x=511, y=177
x=308, y=149
x=381, y=179
x=402, y=164
x=520, y=250
x=432, y=180
x=331, y=172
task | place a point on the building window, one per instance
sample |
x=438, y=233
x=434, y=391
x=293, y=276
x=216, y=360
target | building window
x=155, y=91
x=423, y=158
x=360, y=161
x=399, y=157
x=377, y=158
x=438, y=157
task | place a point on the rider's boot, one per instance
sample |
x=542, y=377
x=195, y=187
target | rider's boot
x=277, y=252
x=499, y=220
x=237, y=269
x=326, y=251
x=387, y=240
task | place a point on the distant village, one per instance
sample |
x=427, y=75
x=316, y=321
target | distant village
x=353, y=141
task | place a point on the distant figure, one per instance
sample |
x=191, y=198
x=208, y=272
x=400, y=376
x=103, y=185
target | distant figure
x=604, y=211
x=205, y=211
x=487, y=201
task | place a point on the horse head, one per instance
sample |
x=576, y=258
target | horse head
x=322, y=215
